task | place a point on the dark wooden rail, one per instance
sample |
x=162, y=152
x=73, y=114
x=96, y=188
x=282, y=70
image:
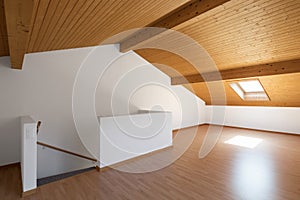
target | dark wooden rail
x=66, y=151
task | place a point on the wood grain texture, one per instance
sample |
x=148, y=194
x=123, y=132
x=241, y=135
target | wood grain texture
x=278, y=68
x=235, y=33
x=240, y=34
x=184, y=13
x=4, y=50
x=270, y=171
x=246, y=33
x=18, y=15
x=283, y=91
x=69, y=24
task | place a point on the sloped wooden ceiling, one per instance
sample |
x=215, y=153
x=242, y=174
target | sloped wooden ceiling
x=236, y=33
x=283, y=90
x=63, y=24
x=46, y=25
x=242, y=34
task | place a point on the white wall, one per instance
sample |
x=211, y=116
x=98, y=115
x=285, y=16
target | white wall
x=131, y=84
x=128, y=136
x=280, y=119
x=43, y=89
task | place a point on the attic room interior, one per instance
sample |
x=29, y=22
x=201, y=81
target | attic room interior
x=156, y=99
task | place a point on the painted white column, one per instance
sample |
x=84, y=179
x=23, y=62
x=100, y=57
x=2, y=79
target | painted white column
x=28, y=153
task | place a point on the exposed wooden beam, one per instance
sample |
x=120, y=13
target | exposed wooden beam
x=285, y=67
x=4, y=50
x=18, y=15
x=180, y=15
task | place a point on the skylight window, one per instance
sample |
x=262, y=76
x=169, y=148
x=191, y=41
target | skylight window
x=251, y=86
x=250, y=90
x=243, y=141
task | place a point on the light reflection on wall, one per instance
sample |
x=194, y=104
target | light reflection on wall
x=253, y=177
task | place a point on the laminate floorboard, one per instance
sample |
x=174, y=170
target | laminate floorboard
x=271, y=171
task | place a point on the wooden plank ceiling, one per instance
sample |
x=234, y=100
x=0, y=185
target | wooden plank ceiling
x=242, y=34
x=64, y=24
x=236, y=33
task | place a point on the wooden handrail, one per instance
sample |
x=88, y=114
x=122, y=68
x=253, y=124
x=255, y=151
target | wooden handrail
x=66, y=151
x=38, y=126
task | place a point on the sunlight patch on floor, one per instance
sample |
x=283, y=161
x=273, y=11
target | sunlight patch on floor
x=243, y=141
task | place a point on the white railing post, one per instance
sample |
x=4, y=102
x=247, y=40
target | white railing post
x=28, y=154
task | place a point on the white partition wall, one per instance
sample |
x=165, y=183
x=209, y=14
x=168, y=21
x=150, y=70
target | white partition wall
x=128, y=136
x=279, y=119
x=28, y=153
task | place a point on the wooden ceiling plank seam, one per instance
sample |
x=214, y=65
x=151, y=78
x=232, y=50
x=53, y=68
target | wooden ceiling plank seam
x=236, y=19
x=82, y=19
x=280, y=36
x=57, y=15
x=246, y=34
x=130, y=26
x=223, y=24
x=285, y=67
x=75, y=40
x=105, y=23
x=39, y=17
x=66, y=14
x=116, y=27
x=83, y=24
x=61, y=19
x=76, y=20
x=209, y=24
x=184, y=14
x=34, y=19
x=278, y=94
x=65, y=28
x=39, y=35
x=86, y=23
x=289, y=42
x=241, y=57
x=227, y=16
x=46, y=23
x=155, y=8
x=224, y=14
x=248, y=50
x=85, y=17
x=161, y=8
x=189, y=11
x=106, y=11
x=264, y=24
x=183, y=65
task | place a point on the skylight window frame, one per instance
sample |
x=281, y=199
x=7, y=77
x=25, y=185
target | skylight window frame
x=246, y=96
